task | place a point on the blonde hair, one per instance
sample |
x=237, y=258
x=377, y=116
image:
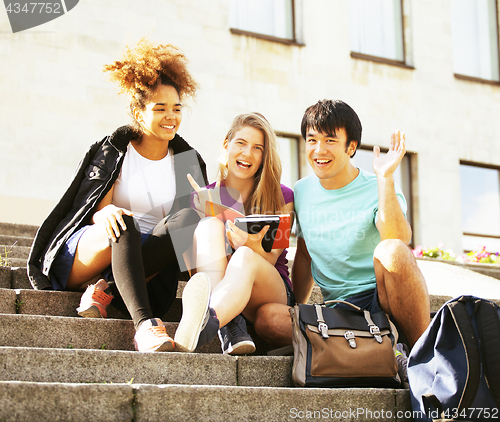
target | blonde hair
x=266, y=197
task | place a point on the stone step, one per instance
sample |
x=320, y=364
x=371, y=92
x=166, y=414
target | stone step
x=14, y=277
x=54, y=332
x=47, y=302
x=9, y=240
x=146, y=402
x=63, y=304
x=20, y=230
x=9, y=252
x=57, y=303
x=14, y=262
x=111, y=366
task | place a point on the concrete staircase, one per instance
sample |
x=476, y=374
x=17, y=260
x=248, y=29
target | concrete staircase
x=55, y=366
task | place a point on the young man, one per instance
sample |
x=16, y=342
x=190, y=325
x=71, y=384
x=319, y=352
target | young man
x=352, y=230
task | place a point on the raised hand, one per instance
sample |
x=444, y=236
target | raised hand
x=386, y=165
x=202, y=195
x=111, y=216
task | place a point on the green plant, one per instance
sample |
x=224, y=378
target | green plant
x=70, y=346
x=4, y=261
x=434, y=252
x=18, y=305
x=104, y=346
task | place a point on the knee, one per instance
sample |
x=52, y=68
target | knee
x=186, y=217
x=246, y=257
x=210, y=226
x=263, y=319
x=273, y=323
x=133, y=231
x=394, y=255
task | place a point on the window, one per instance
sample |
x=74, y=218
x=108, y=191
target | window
x=376, y=28
x=272, y=18
x=363, y=160
x=480, y=195
x=288, y=147
x=474, y=31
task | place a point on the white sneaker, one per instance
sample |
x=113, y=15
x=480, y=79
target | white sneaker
x=195, y=312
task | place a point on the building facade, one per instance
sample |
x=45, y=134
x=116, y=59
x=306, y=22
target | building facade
x=429, y=68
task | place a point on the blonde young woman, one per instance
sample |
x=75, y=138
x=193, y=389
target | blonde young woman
x=241, y=283
x=126, y=215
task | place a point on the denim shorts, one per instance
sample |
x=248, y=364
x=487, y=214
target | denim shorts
x=366, y=300
x=61, y=267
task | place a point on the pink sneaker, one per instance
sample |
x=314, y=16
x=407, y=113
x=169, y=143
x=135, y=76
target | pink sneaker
x=95, y=301
x=152, y=337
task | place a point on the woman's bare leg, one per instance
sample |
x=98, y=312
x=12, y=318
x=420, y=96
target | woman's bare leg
x=249, y=282
x=211, y=257
x=93, y=255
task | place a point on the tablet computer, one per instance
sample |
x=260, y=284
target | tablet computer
x=254, y=224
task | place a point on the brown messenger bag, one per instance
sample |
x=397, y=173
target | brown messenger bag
x=338, y=347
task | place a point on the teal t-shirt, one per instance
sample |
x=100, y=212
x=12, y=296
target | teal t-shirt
x=339, y=230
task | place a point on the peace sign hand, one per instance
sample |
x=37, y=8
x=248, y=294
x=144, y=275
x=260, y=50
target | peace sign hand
x=202, y=195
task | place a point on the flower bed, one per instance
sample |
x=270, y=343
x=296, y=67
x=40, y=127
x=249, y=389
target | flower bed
x=481, y=261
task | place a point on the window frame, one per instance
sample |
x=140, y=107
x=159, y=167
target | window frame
x=392, y=62
x=272, y=38
x=298, y=138
x=485, y=166
x=476, y=78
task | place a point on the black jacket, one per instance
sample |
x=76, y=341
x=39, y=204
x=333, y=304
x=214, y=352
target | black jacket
x=94, y=177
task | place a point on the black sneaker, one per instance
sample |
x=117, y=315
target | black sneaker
x=402, y=360
x=235, y=339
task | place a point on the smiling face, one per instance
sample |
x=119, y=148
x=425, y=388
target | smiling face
x=245, y=152
x=162, y=115
x=329, y=157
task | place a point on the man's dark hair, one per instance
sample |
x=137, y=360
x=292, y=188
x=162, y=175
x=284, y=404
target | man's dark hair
x=327, y=116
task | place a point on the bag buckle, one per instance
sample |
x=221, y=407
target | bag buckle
x=375, y=332
x=323, y=329
x=351, y=338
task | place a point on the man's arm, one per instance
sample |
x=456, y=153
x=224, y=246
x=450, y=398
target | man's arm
x=392, y=223
x=302, y=281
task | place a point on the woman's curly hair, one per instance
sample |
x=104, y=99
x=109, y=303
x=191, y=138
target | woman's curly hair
x=143, y=69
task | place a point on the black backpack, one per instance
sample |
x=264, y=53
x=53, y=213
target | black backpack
x=454, y=368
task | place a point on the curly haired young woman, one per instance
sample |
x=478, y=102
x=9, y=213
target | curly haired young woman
x=126, y=215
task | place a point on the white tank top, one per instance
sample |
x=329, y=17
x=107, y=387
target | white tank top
x=145, y=187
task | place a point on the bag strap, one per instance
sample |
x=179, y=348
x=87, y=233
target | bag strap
x=489, y=338
x=429, y=400
x=322, y=327
x=342, y=301
x=374, y=329
x=467, y=335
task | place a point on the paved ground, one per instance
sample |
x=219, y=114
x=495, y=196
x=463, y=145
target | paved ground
x=451, y=280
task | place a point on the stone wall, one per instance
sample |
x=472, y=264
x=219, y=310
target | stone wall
x=56, y=101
